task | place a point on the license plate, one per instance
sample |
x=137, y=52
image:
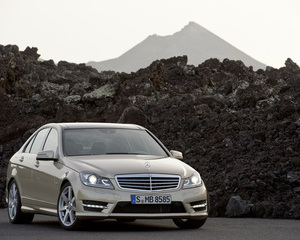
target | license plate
x=151, y=199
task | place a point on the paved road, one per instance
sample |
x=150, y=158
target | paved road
x=44, y=227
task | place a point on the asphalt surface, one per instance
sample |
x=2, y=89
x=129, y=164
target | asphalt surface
x=44, y=227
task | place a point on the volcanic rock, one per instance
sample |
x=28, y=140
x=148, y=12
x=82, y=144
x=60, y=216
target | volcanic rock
x=237, y=207
x=238, y=127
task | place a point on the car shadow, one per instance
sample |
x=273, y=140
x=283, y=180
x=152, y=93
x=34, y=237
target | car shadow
x=138, y=226
x=115, y=226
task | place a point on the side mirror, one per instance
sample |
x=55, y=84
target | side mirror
x=46, y=156
x=177, y=154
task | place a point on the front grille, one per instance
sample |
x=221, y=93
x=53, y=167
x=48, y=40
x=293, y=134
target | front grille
x=127, y=207
x=148, y=182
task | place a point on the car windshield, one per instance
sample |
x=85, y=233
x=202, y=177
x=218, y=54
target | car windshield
x=101, y=141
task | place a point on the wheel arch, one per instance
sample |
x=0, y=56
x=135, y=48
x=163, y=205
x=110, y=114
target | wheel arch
x=64, y=182
x=9, y=182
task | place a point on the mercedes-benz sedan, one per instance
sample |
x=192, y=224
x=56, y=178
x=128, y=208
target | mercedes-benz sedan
x=91, y=171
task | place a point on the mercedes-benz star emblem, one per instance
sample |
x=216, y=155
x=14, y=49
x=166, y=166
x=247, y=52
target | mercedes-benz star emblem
x=147, y=165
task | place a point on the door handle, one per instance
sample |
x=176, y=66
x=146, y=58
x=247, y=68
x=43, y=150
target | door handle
x=37, y=164
x=21, y=159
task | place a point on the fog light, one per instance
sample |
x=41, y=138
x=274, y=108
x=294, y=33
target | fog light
x=199, y=205
x=94, y=206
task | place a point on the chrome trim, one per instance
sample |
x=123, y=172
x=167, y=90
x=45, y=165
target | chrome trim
x=149, y=182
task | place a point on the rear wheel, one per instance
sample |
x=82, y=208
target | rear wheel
x=66, y=208
x=15, y=214
x=189, y=223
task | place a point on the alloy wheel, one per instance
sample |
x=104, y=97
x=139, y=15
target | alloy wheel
x=67, y=207
x=13, y=201
x=15, y=213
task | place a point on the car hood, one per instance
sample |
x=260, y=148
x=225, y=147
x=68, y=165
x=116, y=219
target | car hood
x=111, y=165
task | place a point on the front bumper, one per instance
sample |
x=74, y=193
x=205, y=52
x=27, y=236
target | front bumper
x=96, y=204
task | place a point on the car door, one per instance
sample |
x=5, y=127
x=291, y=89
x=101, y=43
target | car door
x=23, y=167
x=46, y=186
x=26, y=160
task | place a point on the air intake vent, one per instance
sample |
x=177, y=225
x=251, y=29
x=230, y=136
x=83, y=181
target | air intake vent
x=148, y=182
x=127, y=207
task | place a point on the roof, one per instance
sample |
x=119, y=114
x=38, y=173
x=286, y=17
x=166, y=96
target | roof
x=72, y=125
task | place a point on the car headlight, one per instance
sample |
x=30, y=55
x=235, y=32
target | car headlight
x=93, y=180
x=193, y=181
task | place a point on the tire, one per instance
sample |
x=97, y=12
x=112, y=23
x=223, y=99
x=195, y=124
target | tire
x=189, y=223
x=15, y=214
x=66, y=208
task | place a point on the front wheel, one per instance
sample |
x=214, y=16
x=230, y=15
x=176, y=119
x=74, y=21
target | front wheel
x=66, y=208
x=189, y=223
x=15, y=214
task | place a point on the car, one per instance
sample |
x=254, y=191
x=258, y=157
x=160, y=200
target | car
x=83, y=172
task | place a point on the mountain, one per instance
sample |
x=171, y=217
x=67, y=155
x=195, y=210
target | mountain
x=193, y=40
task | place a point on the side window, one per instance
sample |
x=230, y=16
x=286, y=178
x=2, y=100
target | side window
x=52, y=141
x=38, y=141
x=28, y=146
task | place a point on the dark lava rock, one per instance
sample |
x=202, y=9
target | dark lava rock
x=133, y=115
x=237, y=207
x=238, y=127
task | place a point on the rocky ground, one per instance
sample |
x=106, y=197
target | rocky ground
x=238, y=127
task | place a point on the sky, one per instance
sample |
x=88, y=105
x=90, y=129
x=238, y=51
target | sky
x=80, y=31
